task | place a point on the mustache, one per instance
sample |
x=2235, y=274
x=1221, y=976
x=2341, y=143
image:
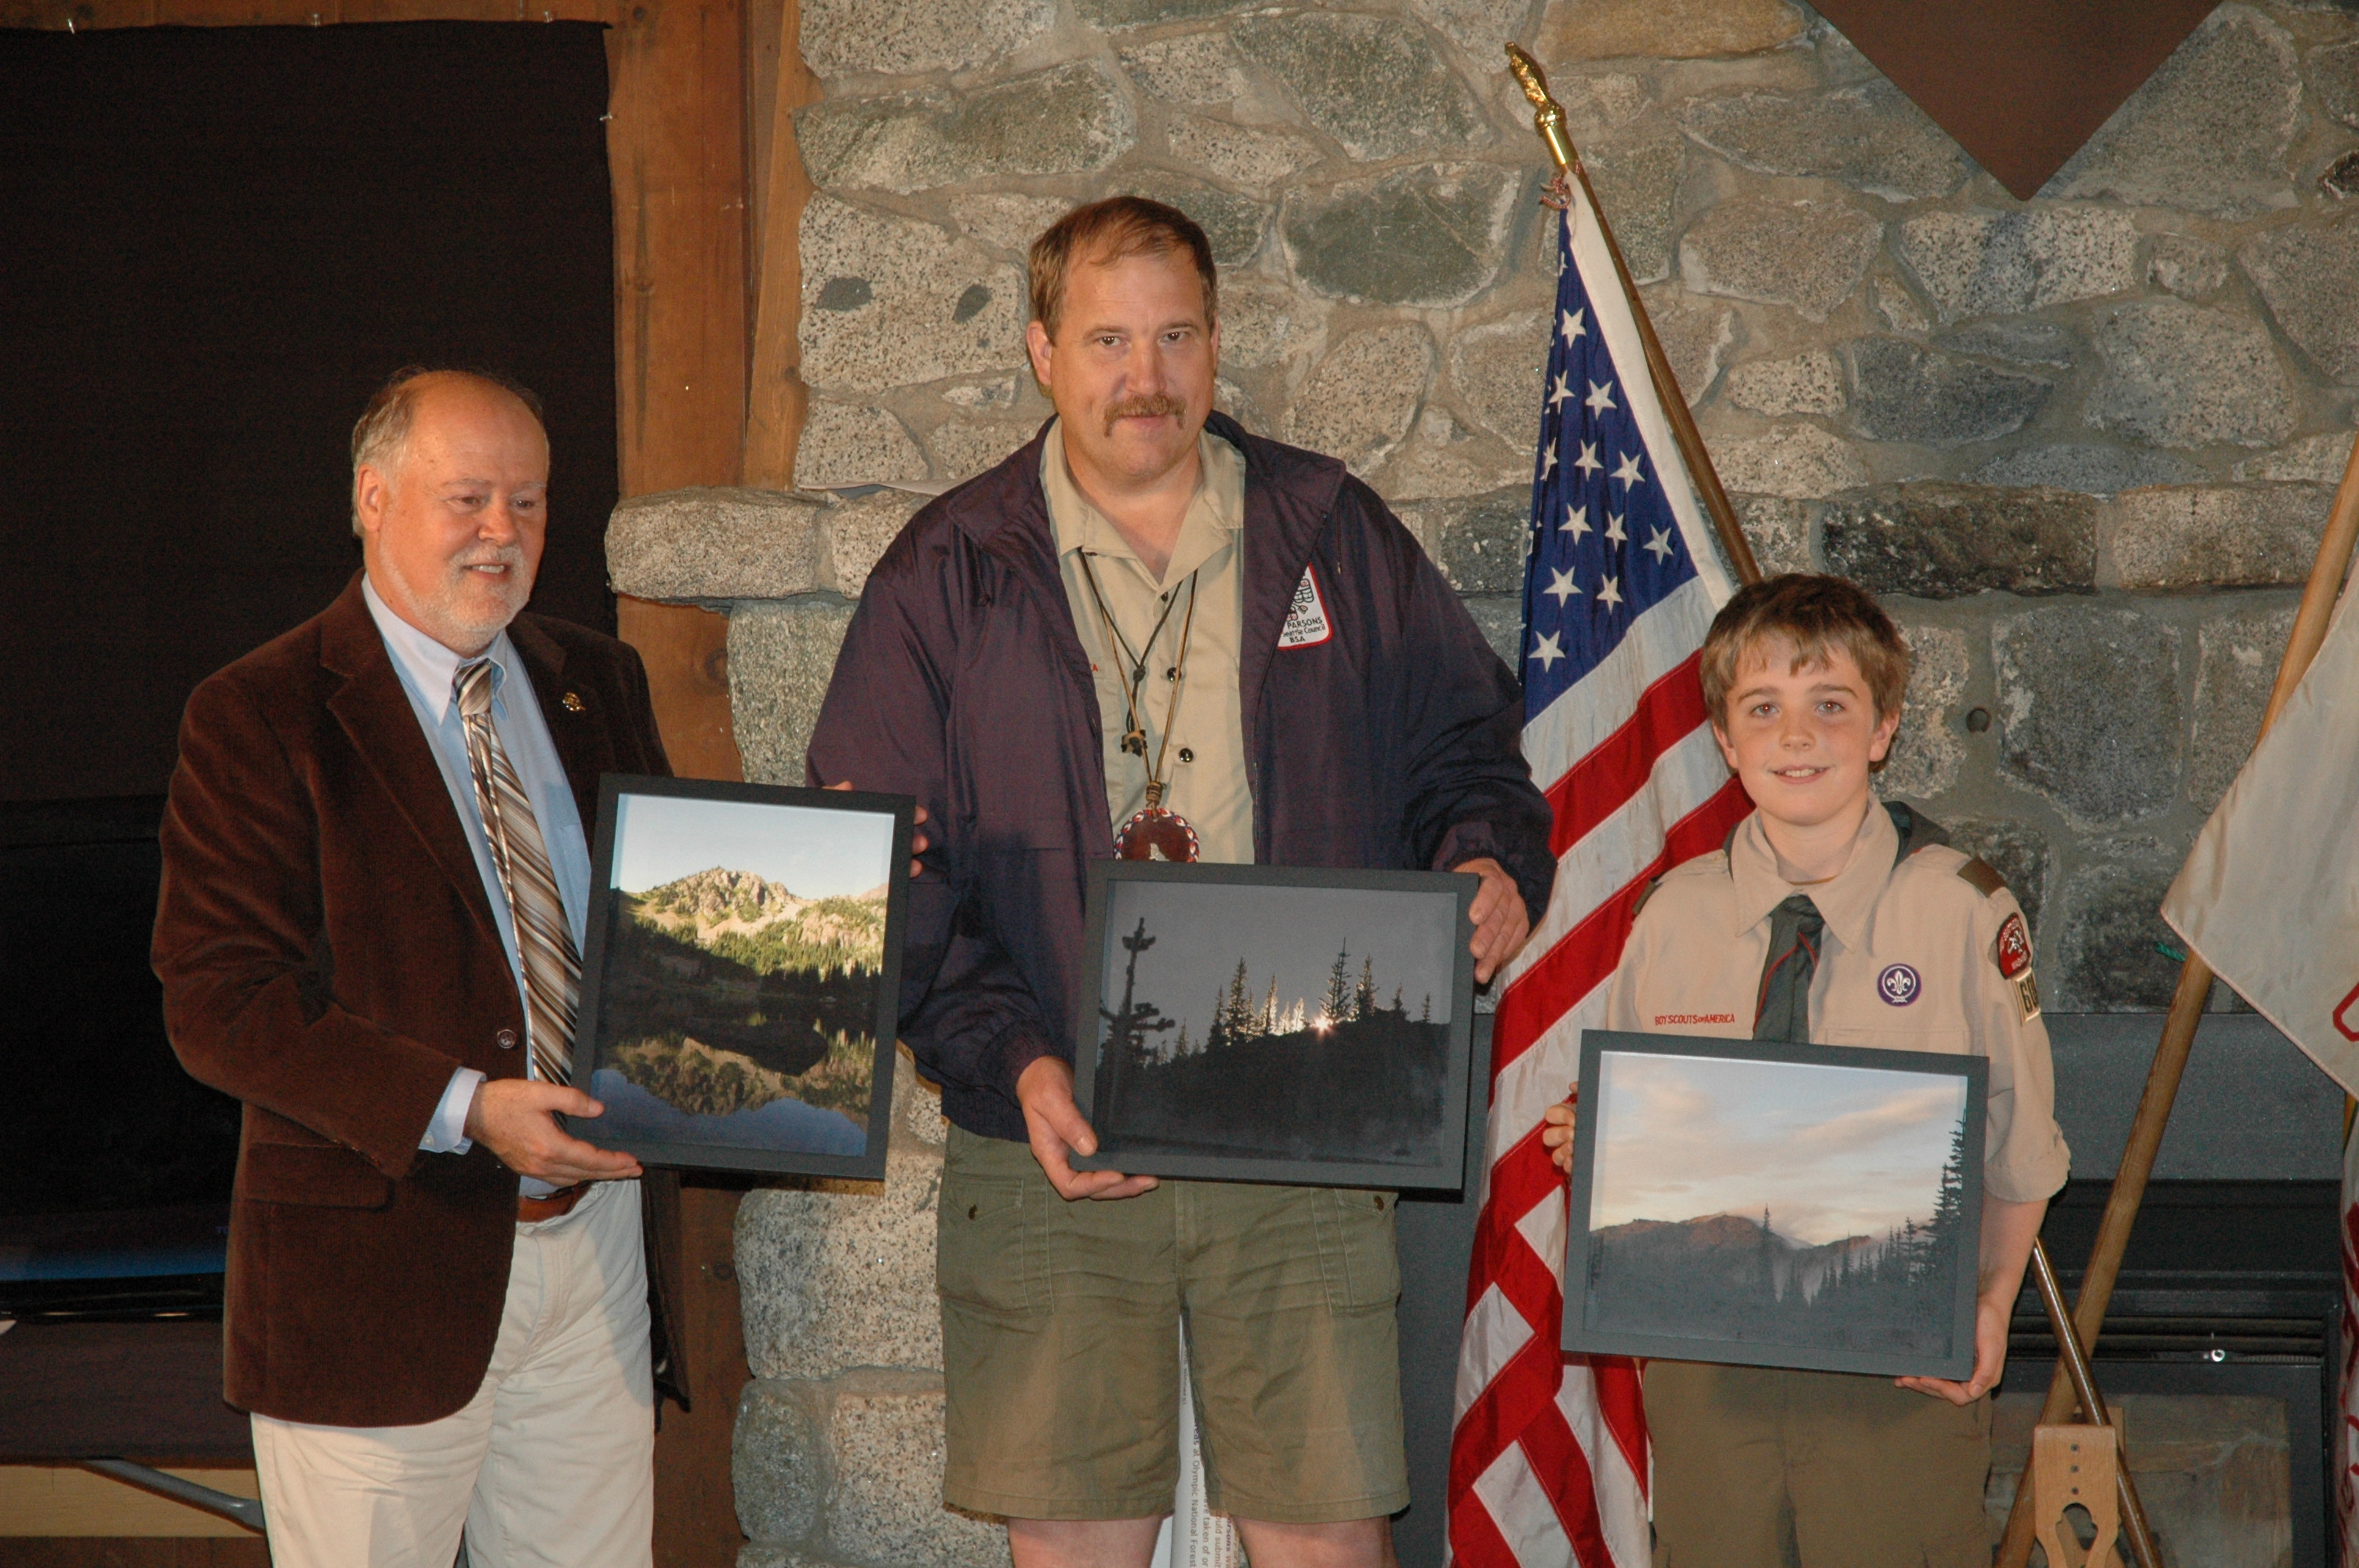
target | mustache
x=1154, y=406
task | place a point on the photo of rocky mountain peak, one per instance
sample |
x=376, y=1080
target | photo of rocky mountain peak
x=743, y=959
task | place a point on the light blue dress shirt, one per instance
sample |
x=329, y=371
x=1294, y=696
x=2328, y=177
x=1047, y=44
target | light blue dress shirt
x=428, y=671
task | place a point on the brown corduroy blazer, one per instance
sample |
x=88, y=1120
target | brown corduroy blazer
x=328, y=956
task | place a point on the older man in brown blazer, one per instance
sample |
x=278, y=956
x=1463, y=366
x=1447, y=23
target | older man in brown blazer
x=374, y=882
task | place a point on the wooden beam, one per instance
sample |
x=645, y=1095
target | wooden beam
x=768, y=29
x=696, y=1503
x=776, y=396
x=676, y=145
x=687, y=653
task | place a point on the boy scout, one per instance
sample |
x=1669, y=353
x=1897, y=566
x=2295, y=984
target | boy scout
x=1832, y=918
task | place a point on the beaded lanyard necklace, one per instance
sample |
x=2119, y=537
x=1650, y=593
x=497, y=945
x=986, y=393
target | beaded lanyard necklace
x=1154, y=832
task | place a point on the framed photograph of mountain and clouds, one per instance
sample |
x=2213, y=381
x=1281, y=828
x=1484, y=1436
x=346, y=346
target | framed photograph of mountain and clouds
x=1270, y=1023
x=742, y=981
x=1775, y=1206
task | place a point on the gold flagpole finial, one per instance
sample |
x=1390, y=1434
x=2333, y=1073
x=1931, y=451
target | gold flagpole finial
x=1548, y=119
x=1547, y=114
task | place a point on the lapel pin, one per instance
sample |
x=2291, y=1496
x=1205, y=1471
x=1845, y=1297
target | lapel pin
x=570, y=703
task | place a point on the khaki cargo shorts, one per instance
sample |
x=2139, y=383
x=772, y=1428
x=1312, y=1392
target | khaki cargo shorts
x=1060, y=1345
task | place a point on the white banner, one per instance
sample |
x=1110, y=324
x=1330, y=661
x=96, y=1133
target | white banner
x=2269, y=896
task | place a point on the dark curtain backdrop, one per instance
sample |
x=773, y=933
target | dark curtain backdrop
x=214, y=243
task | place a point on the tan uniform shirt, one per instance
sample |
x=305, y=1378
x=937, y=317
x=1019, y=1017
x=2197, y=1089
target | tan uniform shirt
x=1911, y=961
x=1204, y=766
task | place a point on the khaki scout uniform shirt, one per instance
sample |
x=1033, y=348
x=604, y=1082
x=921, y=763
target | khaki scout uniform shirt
x=1208, y=722
x=1911, y=961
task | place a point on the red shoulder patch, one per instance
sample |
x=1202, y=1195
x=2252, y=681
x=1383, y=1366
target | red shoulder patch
x=2014, y=948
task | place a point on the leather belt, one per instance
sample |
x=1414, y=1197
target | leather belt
x=532, y=1211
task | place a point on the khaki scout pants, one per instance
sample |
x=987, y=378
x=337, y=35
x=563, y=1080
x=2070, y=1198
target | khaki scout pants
x=1757, y=1467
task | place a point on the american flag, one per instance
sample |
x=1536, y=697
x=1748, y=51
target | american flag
x=1548, y=1461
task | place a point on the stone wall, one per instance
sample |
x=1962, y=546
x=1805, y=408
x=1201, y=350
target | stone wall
x=2082, y=446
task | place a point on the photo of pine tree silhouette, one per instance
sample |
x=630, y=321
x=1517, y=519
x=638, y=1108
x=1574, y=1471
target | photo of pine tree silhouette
x=1298, y=1024
x=1780, y=1205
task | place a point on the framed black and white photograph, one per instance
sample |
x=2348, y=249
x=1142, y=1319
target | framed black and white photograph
x=1270, y=1023
x=1775, y=1206
x=742, y=979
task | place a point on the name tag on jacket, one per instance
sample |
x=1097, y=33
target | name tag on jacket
x=1305, y=619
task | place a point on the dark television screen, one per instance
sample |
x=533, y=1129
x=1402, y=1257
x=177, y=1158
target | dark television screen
x=114, y=1164
x=99, y=1115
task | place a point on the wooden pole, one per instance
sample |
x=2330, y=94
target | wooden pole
x=2318, y=598
x=1548, y=119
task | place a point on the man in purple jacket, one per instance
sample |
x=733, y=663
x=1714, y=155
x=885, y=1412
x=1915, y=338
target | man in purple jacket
x=1151, y=634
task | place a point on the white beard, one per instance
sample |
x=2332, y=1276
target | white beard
x=440, y=611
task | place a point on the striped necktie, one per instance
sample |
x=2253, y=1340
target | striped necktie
x=552, y=966
x=1783, y=1010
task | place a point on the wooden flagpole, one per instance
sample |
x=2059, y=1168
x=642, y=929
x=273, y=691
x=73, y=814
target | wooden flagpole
x=1548, y=119
x=2317, y=598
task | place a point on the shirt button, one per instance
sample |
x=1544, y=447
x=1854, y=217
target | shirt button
x=505, y=1039
x=1186, y=755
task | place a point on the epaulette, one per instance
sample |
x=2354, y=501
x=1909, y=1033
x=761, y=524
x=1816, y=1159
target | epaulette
x=1983, y=876
x=1916, y=830
x=1645, y=893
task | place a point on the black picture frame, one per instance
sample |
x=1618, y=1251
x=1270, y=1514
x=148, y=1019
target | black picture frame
x=1262, y=1115
x=644, y=980
x=1717, y=1285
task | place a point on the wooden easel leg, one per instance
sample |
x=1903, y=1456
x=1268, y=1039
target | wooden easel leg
x=2075, y=1466
x=2082, y=1380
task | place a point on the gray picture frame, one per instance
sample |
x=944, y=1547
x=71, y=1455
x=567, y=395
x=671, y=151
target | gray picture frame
x=1421, y=1148
x=615, y=1004
x=1684, y=1288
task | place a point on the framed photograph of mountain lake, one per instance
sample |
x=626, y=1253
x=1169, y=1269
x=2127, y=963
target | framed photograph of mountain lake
x=742, y=981
x=1272, y=1024
x=1775, y=1206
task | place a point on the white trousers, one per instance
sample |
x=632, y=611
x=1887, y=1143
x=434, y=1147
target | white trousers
x=552, y=1464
